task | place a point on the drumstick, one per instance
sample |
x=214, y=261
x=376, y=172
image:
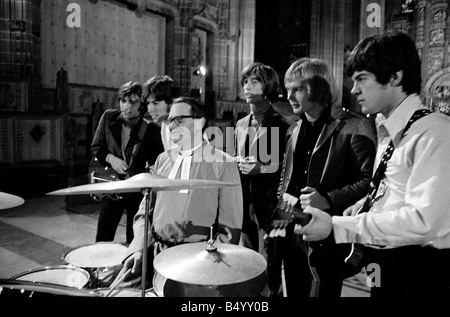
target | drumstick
x=114, y=285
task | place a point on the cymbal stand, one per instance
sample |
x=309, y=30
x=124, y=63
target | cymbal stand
x=148, y=199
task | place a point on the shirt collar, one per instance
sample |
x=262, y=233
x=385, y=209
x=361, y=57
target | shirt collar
x=191, y=151
x=396, y=123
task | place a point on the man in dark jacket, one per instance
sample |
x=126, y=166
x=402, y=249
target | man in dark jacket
x=124, y=141
x=328, y=163
x=259, y=150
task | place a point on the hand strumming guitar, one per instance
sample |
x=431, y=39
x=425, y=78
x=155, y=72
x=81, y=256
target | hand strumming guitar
x=117, y=164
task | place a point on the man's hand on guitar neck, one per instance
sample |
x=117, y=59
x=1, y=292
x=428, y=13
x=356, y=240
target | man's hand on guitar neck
x=117, y=164
x=319, y=228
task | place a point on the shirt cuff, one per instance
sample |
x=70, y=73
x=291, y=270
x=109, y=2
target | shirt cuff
x=108, y=157
x=344, y=229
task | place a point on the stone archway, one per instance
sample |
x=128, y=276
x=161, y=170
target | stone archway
x=437, y=91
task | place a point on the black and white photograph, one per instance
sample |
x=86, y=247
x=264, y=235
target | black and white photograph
x=231, y=155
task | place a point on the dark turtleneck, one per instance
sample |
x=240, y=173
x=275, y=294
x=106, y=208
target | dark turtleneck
x=259, y=109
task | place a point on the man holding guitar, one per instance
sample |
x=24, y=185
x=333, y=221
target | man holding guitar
x=404, y=223
x=125, y=142
x=328, y=165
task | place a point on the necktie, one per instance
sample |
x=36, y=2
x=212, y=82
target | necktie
x=184, y=159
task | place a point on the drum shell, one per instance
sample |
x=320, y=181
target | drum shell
x=103, y=271
x=16, y=288
x=169, y=288
x=63, y=275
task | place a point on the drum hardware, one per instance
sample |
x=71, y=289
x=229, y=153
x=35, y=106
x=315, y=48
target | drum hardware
x=144, y=183
x=127, y=292
x=9, y=201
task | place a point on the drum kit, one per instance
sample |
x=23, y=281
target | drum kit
x=202, y=269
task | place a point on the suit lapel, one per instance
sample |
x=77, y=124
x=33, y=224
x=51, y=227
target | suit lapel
x=327, y=132
x=115, y=127
x=241, y=136
x=294, y=136
x=267, y=122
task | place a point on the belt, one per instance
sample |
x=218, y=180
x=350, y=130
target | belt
x=167, y=243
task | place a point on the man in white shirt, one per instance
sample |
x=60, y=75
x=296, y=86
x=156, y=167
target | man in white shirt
x=406, y=229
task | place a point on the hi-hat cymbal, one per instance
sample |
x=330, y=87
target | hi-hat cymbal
x=10, y=201
x=192, y=263
x=139, y=182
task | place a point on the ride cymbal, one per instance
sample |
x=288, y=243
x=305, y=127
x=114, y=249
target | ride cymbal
x=139, y=182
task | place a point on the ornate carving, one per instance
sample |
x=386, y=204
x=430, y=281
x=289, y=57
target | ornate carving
x=37, y=132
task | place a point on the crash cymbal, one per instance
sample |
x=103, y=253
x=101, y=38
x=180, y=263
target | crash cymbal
x=192, y=263
x=9, y=201
x=139, y=182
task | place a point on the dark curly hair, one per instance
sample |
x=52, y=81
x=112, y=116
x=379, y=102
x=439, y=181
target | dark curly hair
x=164, y=88
x=385, y=54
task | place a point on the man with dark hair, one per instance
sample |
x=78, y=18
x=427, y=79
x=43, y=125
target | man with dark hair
x=402, y=228
x=186, y=216
x=126, y=142
x=327, y=164
x=158, y=94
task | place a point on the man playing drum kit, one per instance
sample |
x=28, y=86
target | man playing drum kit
x=187, y=216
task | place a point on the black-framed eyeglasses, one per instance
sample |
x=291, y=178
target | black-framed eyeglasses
x=178, y=120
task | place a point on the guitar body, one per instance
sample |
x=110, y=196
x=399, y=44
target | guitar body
x=284, y=216
x=98, y=173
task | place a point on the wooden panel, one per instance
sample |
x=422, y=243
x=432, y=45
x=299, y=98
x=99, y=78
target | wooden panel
x=6, y=142
x=38, y=139
x=81, y=98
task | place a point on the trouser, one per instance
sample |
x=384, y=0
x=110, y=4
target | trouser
x=299, y=273
x=408, y=271
x=111, y=212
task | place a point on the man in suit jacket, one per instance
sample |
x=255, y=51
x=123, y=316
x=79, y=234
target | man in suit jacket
x=328, y=163
x=125, y=141
x=259, y=149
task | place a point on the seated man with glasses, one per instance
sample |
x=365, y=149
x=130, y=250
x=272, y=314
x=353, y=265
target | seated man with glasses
x=186, y=216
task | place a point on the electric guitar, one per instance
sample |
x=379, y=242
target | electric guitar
x=99, y=173
x=286, y=215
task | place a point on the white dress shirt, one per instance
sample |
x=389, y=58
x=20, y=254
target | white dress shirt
x=412, y=205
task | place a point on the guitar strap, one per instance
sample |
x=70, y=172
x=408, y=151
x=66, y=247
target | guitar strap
x=141, y=134
x=381, y=169
x=356, y=253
